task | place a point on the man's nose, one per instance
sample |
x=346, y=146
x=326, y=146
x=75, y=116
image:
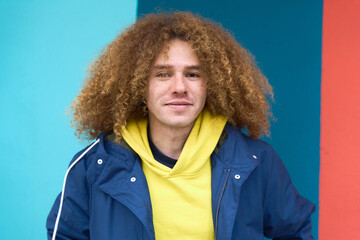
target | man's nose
x=179, y=84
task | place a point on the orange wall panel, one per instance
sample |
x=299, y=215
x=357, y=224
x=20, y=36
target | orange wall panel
x=340, y=122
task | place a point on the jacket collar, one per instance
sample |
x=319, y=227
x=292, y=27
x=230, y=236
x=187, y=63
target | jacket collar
x=120, y=175
x=236, y=144
x=120, y=161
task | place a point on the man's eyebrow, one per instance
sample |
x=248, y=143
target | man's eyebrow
x=195, y=67
x=161, y=67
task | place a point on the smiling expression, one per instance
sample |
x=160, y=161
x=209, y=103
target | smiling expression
x=176, y=90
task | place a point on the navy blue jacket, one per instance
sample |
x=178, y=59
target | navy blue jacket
x=107, y=196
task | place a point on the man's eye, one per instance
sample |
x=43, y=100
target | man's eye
x=162, y=75
x=193, y=75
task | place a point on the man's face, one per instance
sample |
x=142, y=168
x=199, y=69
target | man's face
x=176, y=90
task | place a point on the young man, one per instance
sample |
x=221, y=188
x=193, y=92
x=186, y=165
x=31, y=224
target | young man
x=167, y=101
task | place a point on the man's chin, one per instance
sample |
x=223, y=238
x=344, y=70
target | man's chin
x=180, y=123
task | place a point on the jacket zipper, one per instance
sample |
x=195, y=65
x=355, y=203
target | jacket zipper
x=218, y=206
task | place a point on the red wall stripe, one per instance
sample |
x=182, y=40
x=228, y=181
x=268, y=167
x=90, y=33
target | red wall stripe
x=340, y=122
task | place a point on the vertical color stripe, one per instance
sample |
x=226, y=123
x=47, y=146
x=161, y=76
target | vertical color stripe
x=45, y=48
x=285, y=37
x=340, y=118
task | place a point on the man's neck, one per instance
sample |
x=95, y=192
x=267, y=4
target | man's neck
x=170, y=141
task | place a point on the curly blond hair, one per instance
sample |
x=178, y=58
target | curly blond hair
x=114, y=91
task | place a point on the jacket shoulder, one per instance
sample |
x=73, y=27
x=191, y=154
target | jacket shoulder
x=239, y=143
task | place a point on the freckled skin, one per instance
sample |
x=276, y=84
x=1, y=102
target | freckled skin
x=176, y=92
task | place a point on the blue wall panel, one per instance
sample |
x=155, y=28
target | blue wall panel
x=45, y=48
x=285, y=37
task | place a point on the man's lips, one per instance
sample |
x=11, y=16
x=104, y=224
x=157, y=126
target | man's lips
x=178, y=104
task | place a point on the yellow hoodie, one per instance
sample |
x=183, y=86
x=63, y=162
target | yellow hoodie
x=181, y=196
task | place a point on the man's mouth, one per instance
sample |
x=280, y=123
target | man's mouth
x=178, y=104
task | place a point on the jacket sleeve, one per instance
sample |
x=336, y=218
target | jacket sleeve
x=287, y=215
x=74, y=218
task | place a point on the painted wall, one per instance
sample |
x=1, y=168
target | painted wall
x=340, y=118
x=45, y=48
x=285, y=37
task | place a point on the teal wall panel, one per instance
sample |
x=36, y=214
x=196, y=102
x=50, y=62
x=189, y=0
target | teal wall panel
x=285, y=38
x=45, y=49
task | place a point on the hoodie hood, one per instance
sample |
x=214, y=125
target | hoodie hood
x=198, y=147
